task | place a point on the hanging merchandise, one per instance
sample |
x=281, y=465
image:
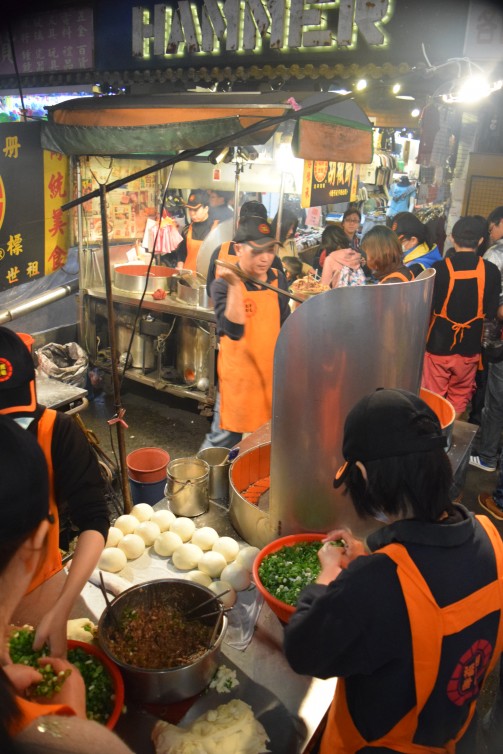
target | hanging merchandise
x=429, y=124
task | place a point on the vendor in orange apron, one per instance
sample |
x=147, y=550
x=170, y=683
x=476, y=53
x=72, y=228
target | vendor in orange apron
x=431, y=625
x=245, y=361
x=201, y=223
x=410, y=644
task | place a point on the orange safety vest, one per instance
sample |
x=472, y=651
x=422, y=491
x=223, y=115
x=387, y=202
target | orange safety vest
x=478, y=274
x=30, y=711
x=52, y=561
x=193, y=248
x=429, y=624
x=245, y=366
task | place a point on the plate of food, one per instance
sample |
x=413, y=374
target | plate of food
x=308, y=286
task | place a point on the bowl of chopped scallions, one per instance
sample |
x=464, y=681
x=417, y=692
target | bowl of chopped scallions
x=102, y=679
x=284, y=567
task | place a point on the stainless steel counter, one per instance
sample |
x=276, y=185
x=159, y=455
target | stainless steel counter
x=59, y=395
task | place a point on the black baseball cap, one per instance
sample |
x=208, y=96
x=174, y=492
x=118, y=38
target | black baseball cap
x=24, y=496
x=17, y=372
x=256, y=232
x=198, y=198
x=383, y=424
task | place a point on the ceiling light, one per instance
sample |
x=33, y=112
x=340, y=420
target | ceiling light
x=396, y=88
x=405, y=96
x=416, y=112
x=471, y=89
x=361, y=85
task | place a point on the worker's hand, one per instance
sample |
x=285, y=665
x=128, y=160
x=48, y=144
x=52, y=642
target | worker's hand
x=331, y=557
x=354, y=547
x=52, y=631
x=73, y=690
x=229, y=275
x=21, y=676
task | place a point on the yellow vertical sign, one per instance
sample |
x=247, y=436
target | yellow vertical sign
x=57, y=222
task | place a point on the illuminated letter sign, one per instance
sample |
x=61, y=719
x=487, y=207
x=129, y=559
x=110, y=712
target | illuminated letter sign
x=240, y=26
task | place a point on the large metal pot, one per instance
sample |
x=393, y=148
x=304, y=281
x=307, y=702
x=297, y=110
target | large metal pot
x=193, y=345
x=191, y=289
x=132, y=277
x=163, y=686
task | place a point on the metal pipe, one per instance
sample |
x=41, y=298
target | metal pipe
x=7, y=315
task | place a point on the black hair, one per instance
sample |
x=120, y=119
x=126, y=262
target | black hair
x=288, y=219
x=416, y=485
x=293, y=265
x=410, y=226
x=333, y=238
x=352, y=211
x=495, y=216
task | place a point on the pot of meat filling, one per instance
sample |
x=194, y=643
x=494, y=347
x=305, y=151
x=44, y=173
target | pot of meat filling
x=165, y=637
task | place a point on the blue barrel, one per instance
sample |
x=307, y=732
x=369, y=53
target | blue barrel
x=147, y=492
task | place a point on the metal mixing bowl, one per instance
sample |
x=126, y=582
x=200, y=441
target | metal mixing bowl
x=163, y=686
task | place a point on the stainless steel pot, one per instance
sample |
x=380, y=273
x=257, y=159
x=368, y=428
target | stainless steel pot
x=193, y=345
x=132, y=277
x=164, y=686
x=187, y=486
x=192, y=291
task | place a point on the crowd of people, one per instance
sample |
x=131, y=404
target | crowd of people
x=410, y=644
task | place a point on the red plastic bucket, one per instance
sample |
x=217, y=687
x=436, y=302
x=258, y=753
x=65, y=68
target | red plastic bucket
x=147, y=465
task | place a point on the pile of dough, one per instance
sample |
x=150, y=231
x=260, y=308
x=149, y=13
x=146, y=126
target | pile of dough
x=229, y=729
x=81, y=629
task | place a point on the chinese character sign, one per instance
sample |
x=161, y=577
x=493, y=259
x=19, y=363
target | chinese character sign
x=33, y=186
x=57, y=222
x=326, y=182
x=57, y=40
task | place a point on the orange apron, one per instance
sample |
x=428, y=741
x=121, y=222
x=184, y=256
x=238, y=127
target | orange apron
x=30, y=711
x=478, y=274
x=245, y=366
x=398, y=276
x=53, y=561
x=429, y=625
x=193, y=248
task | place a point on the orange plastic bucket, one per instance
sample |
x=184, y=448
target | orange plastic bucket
x=147, y=465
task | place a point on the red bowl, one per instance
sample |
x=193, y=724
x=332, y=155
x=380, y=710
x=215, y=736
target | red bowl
x=113, y=671
x=281, y=609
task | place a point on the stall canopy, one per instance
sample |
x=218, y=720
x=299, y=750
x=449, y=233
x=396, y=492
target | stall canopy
x=167, y=124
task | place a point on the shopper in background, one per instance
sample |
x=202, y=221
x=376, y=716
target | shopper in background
x=398, y=618
x=491, y=424
x=415, y=239
x=198, y=205
x=384, y=256
x=76, y=486
x=219, y=205
x=342, y=265
x=351, y=221
x=466, y=291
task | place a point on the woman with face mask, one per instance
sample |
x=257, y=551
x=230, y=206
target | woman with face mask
x=417, y=246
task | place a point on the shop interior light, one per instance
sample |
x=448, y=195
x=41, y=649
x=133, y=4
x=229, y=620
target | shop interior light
x=471, y=89
x=361, y=85
x=405, y=96
x=416, y=112
x=396, y=88
x=219, y=155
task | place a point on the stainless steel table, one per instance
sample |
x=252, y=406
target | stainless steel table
x=60, y=396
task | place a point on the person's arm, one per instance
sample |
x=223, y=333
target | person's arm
x=75, y=736
x=181, y=251
x=78, y=482
x=52, y=628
